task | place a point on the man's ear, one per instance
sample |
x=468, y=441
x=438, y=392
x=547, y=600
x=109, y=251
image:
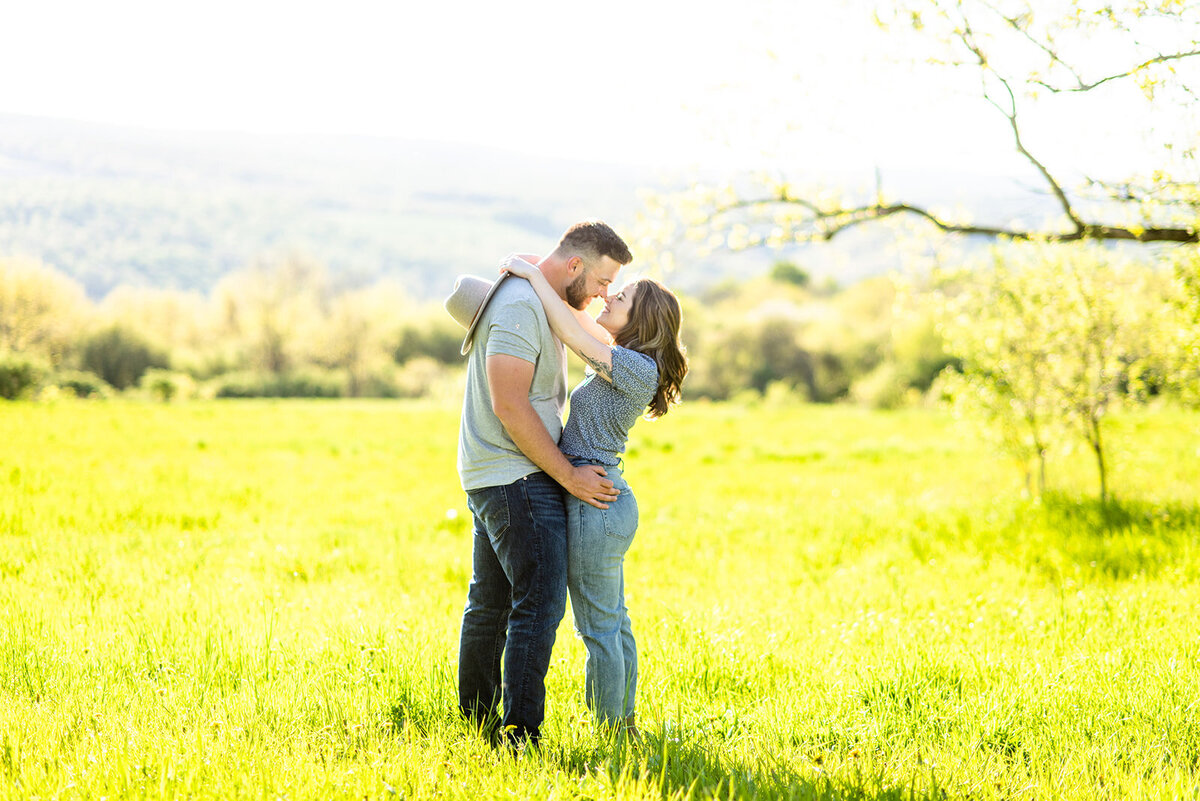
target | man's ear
x=574, y=264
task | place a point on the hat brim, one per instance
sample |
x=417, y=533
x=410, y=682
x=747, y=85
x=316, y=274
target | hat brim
x=469, y=338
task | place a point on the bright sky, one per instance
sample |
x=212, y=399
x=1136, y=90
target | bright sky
x=648, y=81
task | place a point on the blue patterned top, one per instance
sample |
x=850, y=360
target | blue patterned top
x=602, y=413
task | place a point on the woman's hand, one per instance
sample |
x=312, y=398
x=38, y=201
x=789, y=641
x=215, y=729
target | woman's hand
x=518, y=266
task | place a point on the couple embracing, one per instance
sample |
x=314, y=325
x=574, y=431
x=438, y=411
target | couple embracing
x=552, y=512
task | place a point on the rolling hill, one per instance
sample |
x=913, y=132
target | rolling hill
x=116, y=206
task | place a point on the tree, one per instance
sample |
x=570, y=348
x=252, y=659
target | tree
x=785, y=272
x=1023, y=55
x=1051, y=338
x=1182, y=325
x=998, y=331
x=41, y=310
x=170, y=318
x=270, y=308
x=357, y=335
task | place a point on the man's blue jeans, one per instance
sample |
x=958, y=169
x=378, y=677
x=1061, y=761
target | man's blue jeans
x=517, y=598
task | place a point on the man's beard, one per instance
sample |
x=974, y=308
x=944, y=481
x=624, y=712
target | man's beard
x=577, y=296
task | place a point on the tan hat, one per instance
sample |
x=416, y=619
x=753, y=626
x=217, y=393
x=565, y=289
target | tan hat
x=466, y=303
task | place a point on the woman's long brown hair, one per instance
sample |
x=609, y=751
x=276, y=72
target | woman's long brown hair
x=653, y=329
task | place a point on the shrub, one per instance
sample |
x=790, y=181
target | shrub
x=378, y=384
x=830, y=379
x=440, y=341
x=883, y=388
x=416, y=378
x=81, y=384
x=166, y=385
x=757, y=354
x=120, y=357
x=919, y=352
x=19, y=375
x=310, y=383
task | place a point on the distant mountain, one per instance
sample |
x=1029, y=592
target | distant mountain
x=112, y=206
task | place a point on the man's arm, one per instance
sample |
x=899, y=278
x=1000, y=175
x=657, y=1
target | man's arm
x=509, y=379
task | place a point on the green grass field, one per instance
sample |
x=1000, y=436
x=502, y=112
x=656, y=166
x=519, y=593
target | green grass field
x=262, y=600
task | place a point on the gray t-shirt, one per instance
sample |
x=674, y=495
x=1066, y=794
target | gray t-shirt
x=514, y=323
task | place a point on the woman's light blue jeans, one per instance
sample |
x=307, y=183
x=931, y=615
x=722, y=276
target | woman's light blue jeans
x=597, y=540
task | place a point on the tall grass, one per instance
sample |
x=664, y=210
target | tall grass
x=262, y=599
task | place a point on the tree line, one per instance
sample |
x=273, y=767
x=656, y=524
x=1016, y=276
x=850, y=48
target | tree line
x=278, y=328
x=1039, y=340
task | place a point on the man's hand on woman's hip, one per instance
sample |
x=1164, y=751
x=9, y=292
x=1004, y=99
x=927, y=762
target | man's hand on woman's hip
x=588, y=484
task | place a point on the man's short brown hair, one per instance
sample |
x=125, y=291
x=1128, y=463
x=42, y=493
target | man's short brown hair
x=594, y=239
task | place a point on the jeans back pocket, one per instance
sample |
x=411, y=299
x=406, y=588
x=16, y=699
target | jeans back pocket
x=490, y=505
x=621, y=516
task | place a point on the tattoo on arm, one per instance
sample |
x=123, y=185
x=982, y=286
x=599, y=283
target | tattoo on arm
x=604, y=370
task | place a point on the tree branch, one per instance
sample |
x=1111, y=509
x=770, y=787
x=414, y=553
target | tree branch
x=968, y=39
x=1129, y=192
x=1015, y=24
x=816, y=218
x=828, y=223
x=1080, y=84
x=1087, y=87
x=1055, y=187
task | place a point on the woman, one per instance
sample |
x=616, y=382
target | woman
x=637, y=365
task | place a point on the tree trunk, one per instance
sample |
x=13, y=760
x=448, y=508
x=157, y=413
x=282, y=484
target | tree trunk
x=1098, y=449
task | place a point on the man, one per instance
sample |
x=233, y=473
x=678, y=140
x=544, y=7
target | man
x=513, y=473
